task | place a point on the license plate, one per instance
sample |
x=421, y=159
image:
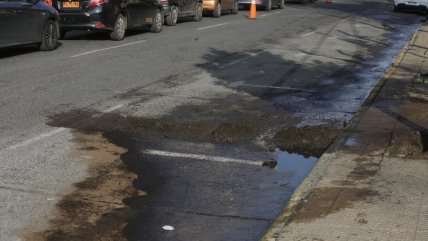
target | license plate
x=71, y=4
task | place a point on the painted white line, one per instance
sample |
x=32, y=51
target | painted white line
x=201, y=157
x=104, y=49
x=265, y=15
x=113, y=108
x=36, y=138
x=240, y=83
x=250, y=55
x=307, y=34
x=53, y=132
x=212, y=26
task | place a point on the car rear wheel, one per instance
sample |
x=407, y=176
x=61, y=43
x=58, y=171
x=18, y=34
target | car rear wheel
x=396, y=9
x=281, y=4
x=268, y=5
x=50, y=36
x=171, y=19
x=119, y=28
x=157, y=22
x=217, y=10
x=235, y=9
x=198, y=13
x=63, y=33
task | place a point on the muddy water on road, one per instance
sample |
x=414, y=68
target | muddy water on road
x=131, y=194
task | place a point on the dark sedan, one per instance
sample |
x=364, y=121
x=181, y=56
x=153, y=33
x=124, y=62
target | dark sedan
x=266, y=4
x=113, y=16
x=28, y=21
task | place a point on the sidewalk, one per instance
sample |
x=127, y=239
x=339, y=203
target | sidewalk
x=372, y=184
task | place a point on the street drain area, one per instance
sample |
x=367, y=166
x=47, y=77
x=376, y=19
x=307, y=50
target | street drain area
x=192, y=175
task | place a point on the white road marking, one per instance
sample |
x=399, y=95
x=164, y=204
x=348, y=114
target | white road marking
x=212, y=26
x=113, y=108
x=265, y=15
x=240, y=83
x=250, y=55
x=201, y=157
x=104, y=49
x=307, y=34
x=53, y=132
x=36, y=138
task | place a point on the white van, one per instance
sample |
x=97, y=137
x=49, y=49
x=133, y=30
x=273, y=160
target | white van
x=415, y=5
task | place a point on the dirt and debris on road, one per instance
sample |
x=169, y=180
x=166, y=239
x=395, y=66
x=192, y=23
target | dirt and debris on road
x=93, y=209
x=321, y=202
x=307, y=140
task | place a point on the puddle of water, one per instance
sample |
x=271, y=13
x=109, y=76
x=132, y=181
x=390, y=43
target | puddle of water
x=296, y=165
x=351, y=142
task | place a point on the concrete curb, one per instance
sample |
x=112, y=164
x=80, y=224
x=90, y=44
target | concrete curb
x=324, y=161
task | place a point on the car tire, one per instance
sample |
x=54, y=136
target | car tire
x=120, y=26
x=281, y=5
x=171, y=19
x=217, y=10
x=396, y=9
x=157, y=22
x=63, y=34
x=268, y=5
x=50, y=36
x=235, y=9
x=198, y=13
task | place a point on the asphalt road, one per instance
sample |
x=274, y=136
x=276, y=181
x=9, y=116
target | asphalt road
x=194, y=106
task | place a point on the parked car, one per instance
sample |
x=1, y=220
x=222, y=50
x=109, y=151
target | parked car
x=413, y=5
x=174, y=9
x=28, y=21
x=112, y=16
x=266, y=4
x=217, y=7
x=299, y=1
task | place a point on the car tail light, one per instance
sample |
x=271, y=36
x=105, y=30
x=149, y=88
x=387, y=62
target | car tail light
x=48, y=2
x=164, y=3
x=94, y=3
x=100, y=25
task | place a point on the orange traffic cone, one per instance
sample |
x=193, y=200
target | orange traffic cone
x=253, y=11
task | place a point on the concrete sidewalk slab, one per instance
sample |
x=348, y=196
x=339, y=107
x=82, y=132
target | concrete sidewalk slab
x=372, y=184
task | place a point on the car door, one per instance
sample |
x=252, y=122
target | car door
x=32, y=20
x=134, y=8
x=22, y=21
x=9, y=23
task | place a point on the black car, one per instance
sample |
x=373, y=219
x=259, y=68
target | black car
x=266, y=4
x=28, y=21
x=113, y=16
x=174, y=9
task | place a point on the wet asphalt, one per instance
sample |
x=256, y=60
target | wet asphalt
x=307, y=64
